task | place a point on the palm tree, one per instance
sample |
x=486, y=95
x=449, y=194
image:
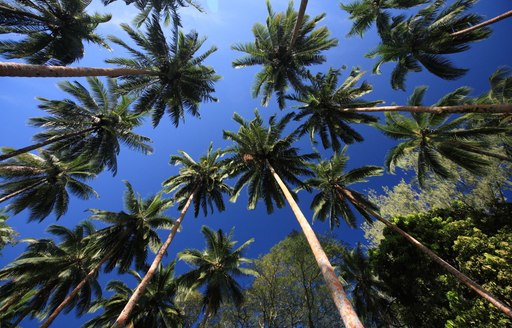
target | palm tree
x=261, y=157
x=156, y=308
x=54, y=30
x=40, y=183
x=283, y=64
x=364, y=13
x=46, y=271
x=178, y=81
x=7, y=234
x=93, y=127
x=424, y=39
x=321, y=103
x=126, y=240
x=167, y=8
x=215, y=267
x=201, y=183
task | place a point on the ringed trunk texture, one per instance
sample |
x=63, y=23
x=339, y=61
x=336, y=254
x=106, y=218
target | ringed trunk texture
x=482, y=24
x=345, y=309
x=471, y=108
x=125, y=314
x=16, y=193
x=459, y=275
x=298, y=23
x=29, y=70
x=43, y=143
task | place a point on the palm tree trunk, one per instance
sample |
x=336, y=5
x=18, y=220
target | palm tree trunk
x=298, y=23
x=29, y=70
x=487, y=22
x=459, y=275
x=125, y=314
x=468, y=108
x=22, y=190
x=345, y=309
x=44, y=143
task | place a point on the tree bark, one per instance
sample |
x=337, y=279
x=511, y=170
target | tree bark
x=345, y=309
x=459, y=275
x=487, y=22
x=43, y=143
x=469, y=108
x=29, y=70
x=22, y=190
x=125, y=314
x=298, y=23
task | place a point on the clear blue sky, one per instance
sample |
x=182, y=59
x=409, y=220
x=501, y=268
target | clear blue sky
x=227, y=22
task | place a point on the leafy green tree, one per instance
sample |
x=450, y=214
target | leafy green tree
x=166, y=8
x=51, y=32
x=41, y=183
x=7, y=234
x=283, y=64
x=156, y=308
x=215, y=267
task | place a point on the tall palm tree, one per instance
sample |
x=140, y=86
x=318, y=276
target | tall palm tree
x=7, y=234
x=53, y=30
x=437, y=141
x=93, y=127
x=178, y=80
x=46, y=271
x=126, y=240
x=156, y=308
x=41, y=183
x=283, y=64
x=215, y=267
x=321, y=103
x=261, y=157
x=201, y=183
x=424, y=38
x=166, y=8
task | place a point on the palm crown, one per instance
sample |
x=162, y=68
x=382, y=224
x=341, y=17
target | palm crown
x=178, y=81
x=283, y=64
x=54, y=30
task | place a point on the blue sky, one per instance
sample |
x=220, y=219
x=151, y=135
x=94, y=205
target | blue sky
x=225, y=23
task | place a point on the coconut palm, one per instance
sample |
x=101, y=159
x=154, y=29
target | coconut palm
x=7, y=234
x=52, y=32
x=126, y=240
x=201, y=183
x=263, y=159
x=215, y=267
x=178, y=81
x=41, y=183
x=424, y=38
x=283, y=64
x=92, y=127
x=363, y=13
x=437, y=141
x=321, y=104
x=46, y=271
x=166, y=8
x=156, y=308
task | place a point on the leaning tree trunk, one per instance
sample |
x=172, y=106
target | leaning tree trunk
x=298, y=22
x=44, y=143
x=487, y=22
x=345, y=309
x=22, y=190
x=125, y=314
x=29, y=70
x=459, y=275
x=468, y=108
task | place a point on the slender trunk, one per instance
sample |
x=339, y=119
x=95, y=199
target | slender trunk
x=22, y=190
x=459, y=275
x=298, y=23
x=469, y=108
x=44, y=143
x=345, y=309
x=29, y=70
x=125, y=314
x=487, y=22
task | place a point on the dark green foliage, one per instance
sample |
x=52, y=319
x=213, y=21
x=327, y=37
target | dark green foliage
x=41, y=183
x=255, y=149
x=425, y=38
x=478, y=242
x=283, y=65
x=52, y=31
x=166, y=8
x=104, y=117
x=322, y=102
x=7, y=234
x=156, y=307
x=176, y=82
